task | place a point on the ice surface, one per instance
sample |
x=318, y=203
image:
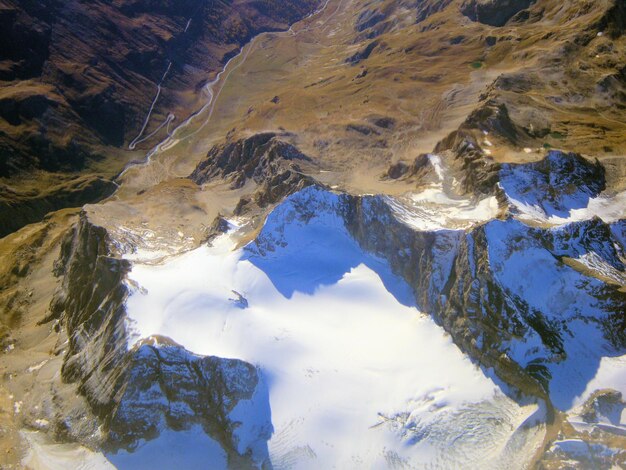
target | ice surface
x=357, y=376
x=190, y=450
x=434, y=209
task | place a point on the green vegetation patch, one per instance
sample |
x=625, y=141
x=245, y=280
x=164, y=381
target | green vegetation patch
x=557, y=135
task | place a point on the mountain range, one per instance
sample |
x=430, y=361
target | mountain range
x=307, y=234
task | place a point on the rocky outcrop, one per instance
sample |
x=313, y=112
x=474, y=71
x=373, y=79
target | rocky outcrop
x=594, y=438
x=363, y=54
x=167, y=387
x=478, y=172
x=419, y=168
x=450, y=275
x=493, y=287
x=557, y=184
x=256, y=158
x=494, y=12
x=135, y=393
x=271, y=163
x=427, y=8
x=90, y=305
x=483, y=288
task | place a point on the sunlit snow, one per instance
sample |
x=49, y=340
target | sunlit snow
x=357, y=376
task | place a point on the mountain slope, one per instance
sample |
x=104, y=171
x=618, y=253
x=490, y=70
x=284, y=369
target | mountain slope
x=80, y=81
x=397, y=225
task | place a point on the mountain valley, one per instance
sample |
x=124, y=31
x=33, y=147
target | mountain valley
x=342, y=234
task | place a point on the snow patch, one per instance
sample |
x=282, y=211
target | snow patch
x=532, y=277
x=44, y=455
x=610, y=208
x=432, y=209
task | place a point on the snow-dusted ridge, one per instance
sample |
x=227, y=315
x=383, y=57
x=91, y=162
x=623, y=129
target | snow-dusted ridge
x=434, y=209
x=560, y=189
x=357, y=376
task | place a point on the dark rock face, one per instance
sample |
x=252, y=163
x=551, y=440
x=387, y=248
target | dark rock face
x=427, y=8
x=614, y=21
x=166, y=386
x=604, y=403
x=419, y=167
x=479, y=173
x=255, y=158
x=363, y=54
x=484, y=286
x=558, y=183
x=450, y=275
x=271, y=163
x=494, y=118
x=457, y=277
x=494, y=12
x=135, y=394
x=90, y=304
x=369, y=18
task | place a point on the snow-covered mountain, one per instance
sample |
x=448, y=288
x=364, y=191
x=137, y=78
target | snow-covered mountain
x=389, y=235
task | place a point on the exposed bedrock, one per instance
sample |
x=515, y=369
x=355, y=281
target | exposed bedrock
x=136, y=393
x=273, y=164
x=512, y=296
x=168, y=387
x=494, y=12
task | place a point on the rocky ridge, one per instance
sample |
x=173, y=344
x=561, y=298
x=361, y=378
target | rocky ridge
x=459, y=276
x=524, y=288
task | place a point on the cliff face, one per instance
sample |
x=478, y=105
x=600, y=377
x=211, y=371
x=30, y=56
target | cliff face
x=167, y=387
x=494, y=12
x=90, y=304
x=490, y=287
x=136, y=394
x=271, y=163
x=486, y=285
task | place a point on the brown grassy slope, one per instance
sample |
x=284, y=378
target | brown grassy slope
x=375, y=83
x=77, y=79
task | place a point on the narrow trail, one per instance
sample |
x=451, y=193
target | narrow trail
x=139, y=139
x=213, y=96
x=170, y=117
